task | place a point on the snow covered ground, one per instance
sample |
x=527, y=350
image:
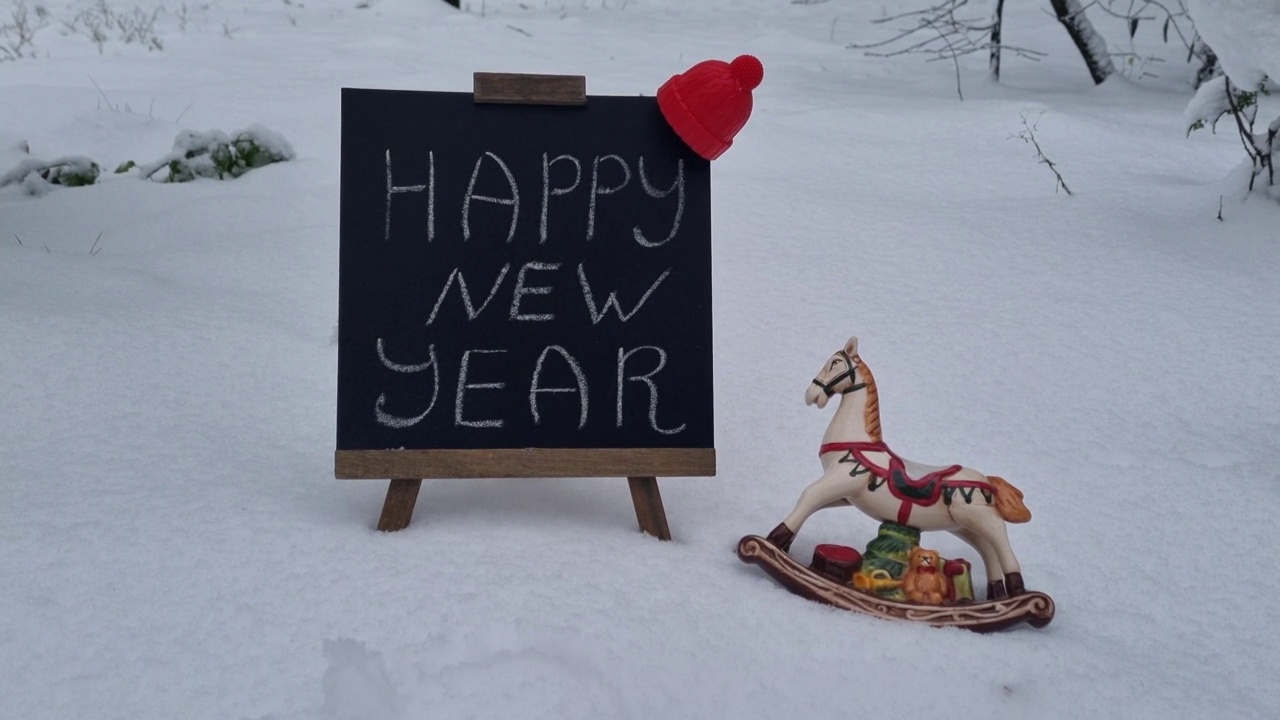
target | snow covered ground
x=172, y=543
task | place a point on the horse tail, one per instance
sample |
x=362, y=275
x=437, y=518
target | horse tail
x=1009, y=501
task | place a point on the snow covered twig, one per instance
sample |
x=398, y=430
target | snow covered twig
x=1028, y=135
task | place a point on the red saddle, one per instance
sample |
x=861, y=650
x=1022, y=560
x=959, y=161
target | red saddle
x=925, y=490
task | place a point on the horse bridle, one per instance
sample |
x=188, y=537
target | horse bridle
x=851, y=367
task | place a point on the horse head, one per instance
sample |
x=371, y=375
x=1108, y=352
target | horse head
x=842, y=373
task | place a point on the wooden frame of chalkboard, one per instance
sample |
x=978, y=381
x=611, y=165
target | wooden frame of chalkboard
x=525, y=291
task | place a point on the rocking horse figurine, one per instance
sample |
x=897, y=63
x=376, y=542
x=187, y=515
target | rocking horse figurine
x=860, y=470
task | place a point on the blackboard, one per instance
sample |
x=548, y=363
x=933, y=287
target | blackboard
x=521, y=276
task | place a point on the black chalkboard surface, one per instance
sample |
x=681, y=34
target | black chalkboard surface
x=521, y=276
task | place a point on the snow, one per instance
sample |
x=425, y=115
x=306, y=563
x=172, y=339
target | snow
x=172, y=543
x=1244, y=35
x=1209, y=103
x=269, y=140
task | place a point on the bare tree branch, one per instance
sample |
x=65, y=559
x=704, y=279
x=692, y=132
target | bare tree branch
x=954, y=60
x=951, y=37
x=1028, y=135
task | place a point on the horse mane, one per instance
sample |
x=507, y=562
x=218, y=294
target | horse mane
x=871, y=416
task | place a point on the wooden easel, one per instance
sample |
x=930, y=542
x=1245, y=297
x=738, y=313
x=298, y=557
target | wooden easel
x=641, y=466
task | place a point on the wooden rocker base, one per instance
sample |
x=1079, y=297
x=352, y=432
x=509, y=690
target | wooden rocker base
x=1035, y=608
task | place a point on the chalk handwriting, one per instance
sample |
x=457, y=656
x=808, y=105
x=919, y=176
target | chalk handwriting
x=678, y=188
x=430, y=189
x=513, y=201
x=578, y=375
x=472, y=312
x=464, y=386
x=395, y=421
x=521, y=291
x=637, y=364
x=597, y=191
x=537, y=386
x=548, y=191
x=623, y=356
x=598, y=313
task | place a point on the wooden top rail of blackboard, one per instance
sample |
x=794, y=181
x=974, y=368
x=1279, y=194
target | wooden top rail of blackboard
x=526, y=89
x=521, y=463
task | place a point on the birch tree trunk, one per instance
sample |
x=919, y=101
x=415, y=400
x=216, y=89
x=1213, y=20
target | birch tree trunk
x=997, y=17
x=1091, y=45
x=1209, y=68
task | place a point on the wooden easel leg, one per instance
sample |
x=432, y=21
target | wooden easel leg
x=649, y=511
x=402, y=495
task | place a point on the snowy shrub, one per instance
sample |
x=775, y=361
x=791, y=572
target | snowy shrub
x=18, y=31
x=75, y=171
x=101, y=23
x=37, y=176
x=1243, y=35
x=212, y=154
x=1220, y=97
x=209, y=154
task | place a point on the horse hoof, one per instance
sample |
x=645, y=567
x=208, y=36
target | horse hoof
x=996, y=591
x=1013, y=581
x=781, y=537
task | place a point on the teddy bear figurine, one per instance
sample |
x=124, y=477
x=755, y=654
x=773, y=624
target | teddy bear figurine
x=924, y=581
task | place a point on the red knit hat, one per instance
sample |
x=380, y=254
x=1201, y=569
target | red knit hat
x=710, y=102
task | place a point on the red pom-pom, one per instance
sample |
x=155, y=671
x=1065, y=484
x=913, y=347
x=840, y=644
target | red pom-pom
x=748, y=71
